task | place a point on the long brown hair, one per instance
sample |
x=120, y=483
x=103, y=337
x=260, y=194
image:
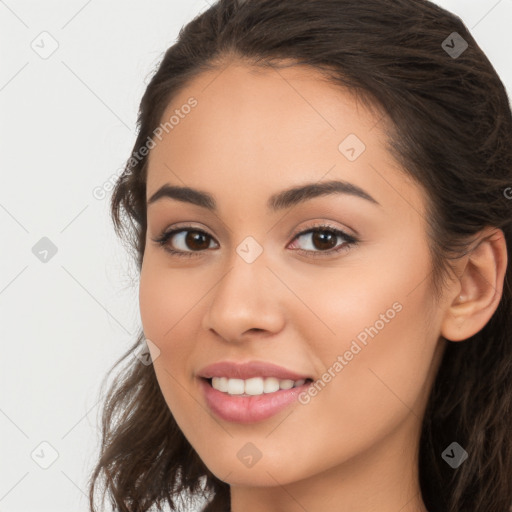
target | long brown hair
x=450, y=128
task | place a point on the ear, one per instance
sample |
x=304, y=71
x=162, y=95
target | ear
x=475, y=296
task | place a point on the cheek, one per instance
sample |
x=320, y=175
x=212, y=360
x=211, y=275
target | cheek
x=373, y=392
x=165, y=297
x=168, y=314
x=168, y=310
x=380, y=293
x=382, y=348
x=156, y=302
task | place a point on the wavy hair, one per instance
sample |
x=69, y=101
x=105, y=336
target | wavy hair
x=450, y=128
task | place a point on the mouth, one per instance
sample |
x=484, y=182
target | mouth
x=251, y=400
x=255, y=386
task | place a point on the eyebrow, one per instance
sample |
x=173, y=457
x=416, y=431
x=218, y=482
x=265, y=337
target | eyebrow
x=279, y=201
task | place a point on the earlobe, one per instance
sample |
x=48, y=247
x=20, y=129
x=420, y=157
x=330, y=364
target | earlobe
x=479, y=288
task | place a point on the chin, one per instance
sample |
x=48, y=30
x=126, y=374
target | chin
x=266, y=472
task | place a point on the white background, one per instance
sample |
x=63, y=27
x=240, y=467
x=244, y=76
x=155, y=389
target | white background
x=68, y=126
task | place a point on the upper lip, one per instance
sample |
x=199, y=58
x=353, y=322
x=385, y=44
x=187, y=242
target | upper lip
x=233, y=370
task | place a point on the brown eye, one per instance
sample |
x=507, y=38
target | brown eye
x=323, y=241
x=196, y=240
x=185, y=242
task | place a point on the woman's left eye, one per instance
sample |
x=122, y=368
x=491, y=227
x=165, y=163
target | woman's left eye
x=323, y=237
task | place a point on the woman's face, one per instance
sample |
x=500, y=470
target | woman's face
x=258, y=281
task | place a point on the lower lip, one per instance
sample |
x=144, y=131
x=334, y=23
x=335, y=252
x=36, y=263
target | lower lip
x=249, y=409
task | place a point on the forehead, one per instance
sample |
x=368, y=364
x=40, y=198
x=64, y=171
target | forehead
x=262, y=129
x=263, y=101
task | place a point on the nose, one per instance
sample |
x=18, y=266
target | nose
x=245, y=301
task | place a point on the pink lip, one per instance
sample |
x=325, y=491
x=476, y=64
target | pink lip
x=244, y=408
x=248, y=370
x=248, y=409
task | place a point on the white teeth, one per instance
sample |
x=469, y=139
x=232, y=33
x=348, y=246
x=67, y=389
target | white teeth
x=286, y=384
x=270, y=385
x=235, y=386
x=253, y=386
x=222, y=383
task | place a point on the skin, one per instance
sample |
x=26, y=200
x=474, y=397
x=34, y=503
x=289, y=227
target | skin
x=354, y=446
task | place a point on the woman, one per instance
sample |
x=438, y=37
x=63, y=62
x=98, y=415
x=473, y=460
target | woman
x=319, y=204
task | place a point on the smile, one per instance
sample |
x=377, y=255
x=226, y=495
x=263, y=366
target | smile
x=253, y=386
x=243, y=407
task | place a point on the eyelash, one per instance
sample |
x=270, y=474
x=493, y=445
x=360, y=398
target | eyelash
x=350, y=241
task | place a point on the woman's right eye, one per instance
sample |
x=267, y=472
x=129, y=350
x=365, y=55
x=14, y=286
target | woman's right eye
x=184, y=237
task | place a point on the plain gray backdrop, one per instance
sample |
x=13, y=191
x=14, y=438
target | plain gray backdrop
x=71, y=78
